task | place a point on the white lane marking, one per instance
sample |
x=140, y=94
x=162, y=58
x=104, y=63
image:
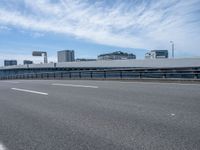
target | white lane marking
x=29, y=91
x=2, y=147
x=76, y=85
x=161, y=83
x=11, y=82
x=172, y=114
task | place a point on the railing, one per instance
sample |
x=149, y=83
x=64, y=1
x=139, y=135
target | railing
x=107, y=74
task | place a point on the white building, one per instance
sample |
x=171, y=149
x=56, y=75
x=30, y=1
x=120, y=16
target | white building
x=157, y=54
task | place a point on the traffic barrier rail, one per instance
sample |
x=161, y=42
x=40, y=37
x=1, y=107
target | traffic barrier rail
x=107, y=74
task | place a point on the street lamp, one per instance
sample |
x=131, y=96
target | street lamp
x=172, y=48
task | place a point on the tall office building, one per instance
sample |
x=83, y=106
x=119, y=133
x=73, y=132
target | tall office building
x=10, y=62
x=66, y=56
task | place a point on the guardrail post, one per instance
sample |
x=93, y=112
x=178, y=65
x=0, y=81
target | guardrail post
x=79, y=74
x=104, y=74
x=120, y=74
x=196, y=76
x=61, y=74
x=140, y=75
x=164, y=76
x=91, y=74
x=70, y=75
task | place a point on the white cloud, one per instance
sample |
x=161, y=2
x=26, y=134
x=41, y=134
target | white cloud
x=132, y=24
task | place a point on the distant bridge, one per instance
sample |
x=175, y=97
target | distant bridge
x=122, y=69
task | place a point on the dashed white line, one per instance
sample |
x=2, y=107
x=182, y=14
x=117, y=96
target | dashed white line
x=75, y=85
x=2, y=147
x=29, y=91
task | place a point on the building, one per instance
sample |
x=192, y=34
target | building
x=157, y=54
x=66, y=56
x=118, y=55
x=85, y=59
x=10, y=62
x=28, y=62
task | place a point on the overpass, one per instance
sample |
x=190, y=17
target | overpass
x=156, y=68
x=90, y=114
x=111, y=115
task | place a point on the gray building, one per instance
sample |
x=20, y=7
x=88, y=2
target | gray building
x=157, y=54
x=10, y=62
x=118, y=55
x=27, y=62
x=66, y=56
x=85, y=59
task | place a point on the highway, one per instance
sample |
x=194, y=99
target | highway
x=98, y=115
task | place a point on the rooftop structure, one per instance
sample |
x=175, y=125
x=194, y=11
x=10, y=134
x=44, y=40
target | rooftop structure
x=10, y=62
x=85, y=59
x=40, y=53
x=27, y=62
x=116, y=56
x=157, y=54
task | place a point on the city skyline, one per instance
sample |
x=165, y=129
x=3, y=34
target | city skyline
x=95, y=27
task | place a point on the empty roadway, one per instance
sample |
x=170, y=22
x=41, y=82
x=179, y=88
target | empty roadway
x=72, y=114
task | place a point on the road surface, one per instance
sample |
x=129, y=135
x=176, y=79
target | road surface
x=98, y=115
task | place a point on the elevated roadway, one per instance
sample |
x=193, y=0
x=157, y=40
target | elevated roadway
x=100, y=115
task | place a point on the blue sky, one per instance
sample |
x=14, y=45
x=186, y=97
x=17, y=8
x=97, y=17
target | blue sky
x=92, y=27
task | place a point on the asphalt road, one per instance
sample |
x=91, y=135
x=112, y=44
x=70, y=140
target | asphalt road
x=102, y=115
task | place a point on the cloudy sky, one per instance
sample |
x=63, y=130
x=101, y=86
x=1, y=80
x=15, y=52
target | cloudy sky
x=92, y=27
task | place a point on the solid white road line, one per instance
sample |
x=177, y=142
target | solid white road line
x=162, y=83
x=15, y=82
x=29, y=91
x=75, y=85
x=2, y=147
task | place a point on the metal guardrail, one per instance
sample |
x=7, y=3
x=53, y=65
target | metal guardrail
x=106, y=74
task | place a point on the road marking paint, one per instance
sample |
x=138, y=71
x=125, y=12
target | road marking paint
x=2, y=147
x=29, y=91
x=76, y=85
x=11, y=82
x=172, y=114
x=162, y=83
